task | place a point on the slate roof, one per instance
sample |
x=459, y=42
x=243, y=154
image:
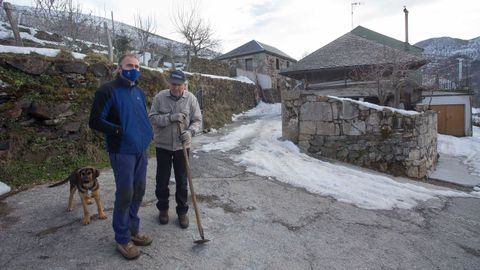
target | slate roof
x=254, y=47
x=359, y=47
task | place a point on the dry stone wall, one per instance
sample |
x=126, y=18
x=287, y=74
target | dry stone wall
x=393, y=141
x=220, y=98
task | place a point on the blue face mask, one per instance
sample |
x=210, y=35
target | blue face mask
x=131, y=74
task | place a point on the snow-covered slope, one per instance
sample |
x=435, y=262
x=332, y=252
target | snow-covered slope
x=443, y=69
x=447, y=46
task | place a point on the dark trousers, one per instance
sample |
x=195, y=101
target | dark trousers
x=130, y=171
x=165, y=158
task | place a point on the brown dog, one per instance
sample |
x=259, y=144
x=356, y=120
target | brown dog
x=84, y=179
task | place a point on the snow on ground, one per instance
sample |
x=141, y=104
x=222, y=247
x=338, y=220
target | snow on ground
x=262, y=109
x=267, y=155
x=42, y=51
x=4, y=188
x=467, y=148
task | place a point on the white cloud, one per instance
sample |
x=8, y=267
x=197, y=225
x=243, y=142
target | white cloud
x=296, y=27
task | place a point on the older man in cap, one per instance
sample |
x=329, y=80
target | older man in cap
x=175, y=116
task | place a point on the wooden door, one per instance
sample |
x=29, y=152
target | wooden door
x=450, y=119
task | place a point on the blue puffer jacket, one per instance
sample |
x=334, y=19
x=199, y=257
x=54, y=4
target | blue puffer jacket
x=119, y=111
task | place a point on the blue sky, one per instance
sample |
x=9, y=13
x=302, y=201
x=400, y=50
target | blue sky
x=303, y=26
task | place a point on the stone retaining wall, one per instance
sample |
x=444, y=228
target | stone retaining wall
x=385, y=139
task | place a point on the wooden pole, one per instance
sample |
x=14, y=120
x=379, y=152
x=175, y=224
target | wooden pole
x=113, y=25
x=110, y=47
x=13, y=23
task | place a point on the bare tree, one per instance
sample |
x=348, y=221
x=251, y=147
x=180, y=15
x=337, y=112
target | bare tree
x=195, y=30
x=391, y=77
x=63, y=17
x=146, y=26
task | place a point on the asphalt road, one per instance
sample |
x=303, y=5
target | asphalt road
x=253, y=222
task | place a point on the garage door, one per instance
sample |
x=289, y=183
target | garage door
x=451, y=119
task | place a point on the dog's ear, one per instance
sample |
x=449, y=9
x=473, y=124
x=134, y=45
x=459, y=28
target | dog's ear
x=96, y=172
x=77, y=175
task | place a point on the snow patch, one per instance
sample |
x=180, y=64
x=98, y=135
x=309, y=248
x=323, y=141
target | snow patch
x=238, y=79
x=377, y=107
x=467, y=148
x=267, y=155
x=262, y=109
x=42, y=51
x=4, y=188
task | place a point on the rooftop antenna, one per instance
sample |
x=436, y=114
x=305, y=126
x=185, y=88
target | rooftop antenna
x=355, y=4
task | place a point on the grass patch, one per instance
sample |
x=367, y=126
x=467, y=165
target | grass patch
x=18, y=173
x=21, y=174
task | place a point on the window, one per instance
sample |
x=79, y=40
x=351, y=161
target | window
x=249, y=64
x=288, y=64
x=278, y=63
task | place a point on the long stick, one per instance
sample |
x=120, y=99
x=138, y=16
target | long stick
x=192, y=192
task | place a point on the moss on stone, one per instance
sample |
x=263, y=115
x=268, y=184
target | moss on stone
x=386, y=133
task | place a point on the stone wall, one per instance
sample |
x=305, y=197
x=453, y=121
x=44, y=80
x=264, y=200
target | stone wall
x=381, y=138
x=206, y=66
x=45, y=104
x=221, y=98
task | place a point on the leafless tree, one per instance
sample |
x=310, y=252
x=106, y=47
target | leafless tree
x=195, y=30
x=63, y=17
x=146, y=26
x=390, y=77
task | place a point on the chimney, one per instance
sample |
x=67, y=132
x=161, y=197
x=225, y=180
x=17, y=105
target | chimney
x=460, y=65
x=406, y=23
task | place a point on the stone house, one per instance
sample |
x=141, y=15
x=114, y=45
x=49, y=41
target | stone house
x=334, y=114
x=368, y=66
x=363, y=65
x=261, y=63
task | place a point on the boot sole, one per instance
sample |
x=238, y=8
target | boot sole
x=127, y=257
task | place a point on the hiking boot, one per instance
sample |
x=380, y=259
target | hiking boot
x=183, y=220
x=163, y=217
x=141, y=239
x=129, y=250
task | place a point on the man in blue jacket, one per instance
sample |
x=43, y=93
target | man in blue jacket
x=119, y=111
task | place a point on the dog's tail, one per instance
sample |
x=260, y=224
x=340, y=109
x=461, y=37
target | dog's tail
x=60, y=183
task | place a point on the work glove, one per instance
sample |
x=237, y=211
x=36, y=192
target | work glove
x=186, y=137
x=177, y=117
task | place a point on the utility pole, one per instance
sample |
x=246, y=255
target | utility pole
x=355, y=4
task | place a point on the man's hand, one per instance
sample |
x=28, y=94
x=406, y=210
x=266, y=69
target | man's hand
x=177, y=117
x=186, y=137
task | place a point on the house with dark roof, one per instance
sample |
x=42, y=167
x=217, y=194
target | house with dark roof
x=261, y=63
x=358, y=64
x=368, y=66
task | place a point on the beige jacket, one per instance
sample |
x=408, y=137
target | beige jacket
x=166, y=134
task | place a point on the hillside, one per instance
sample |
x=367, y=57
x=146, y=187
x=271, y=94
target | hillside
x=444, y=54
x=447, y=46
x=91, y=30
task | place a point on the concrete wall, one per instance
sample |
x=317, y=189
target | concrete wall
x=393, y=141
x=265, y=64
x=265, y=81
